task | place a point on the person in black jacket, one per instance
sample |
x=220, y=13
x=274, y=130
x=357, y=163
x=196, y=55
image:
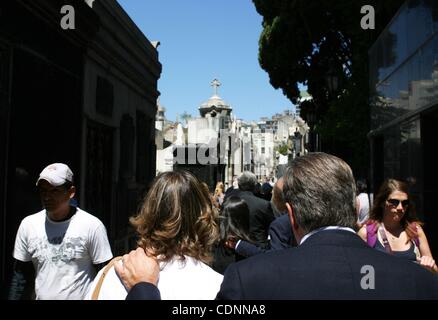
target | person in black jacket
x=260, y=210
x=331, y=260
x=280, y=229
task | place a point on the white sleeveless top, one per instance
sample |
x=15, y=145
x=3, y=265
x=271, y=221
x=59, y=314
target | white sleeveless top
x=188, y=280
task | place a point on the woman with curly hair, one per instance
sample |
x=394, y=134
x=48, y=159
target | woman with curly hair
x=394, y=228
x=176, y=225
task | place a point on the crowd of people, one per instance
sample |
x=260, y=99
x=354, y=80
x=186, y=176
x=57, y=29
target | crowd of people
x=308, y=235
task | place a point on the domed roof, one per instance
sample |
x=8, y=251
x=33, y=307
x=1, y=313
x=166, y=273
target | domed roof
x=215, y=101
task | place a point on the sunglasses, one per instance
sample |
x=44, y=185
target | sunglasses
x=396, y=202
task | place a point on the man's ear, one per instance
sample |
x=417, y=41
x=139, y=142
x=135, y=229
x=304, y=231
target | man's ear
x=296, y=229
x=71, y=192
x=290, y=212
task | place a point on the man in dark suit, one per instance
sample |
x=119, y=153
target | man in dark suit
x=331, y=261
x=280, y=229
x=260, y=210
x=280, y=237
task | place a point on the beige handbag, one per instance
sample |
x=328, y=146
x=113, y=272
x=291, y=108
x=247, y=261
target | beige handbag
x=96, y=291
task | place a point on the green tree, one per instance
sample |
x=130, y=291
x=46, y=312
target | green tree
x=303, y=42
x=283, y=149
x=186, y=116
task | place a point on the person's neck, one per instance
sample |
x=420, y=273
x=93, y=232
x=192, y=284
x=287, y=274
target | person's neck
x=298, y=234
x=394, y=227
x=62, y=215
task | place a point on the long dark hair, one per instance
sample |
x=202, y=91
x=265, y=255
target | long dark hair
x=234, y=219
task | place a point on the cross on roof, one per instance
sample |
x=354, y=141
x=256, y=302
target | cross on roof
x=215, y=84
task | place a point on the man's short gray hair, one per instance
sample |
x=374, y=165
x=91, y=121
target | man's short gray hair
x=322, y=192
x=247, y=181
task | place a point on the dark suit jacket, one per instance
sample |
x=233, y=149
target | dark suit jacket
x=327, y=265
x=280, y=234
x=260, y=217
x=231, y=192
x=144, y=291
x=223, y=257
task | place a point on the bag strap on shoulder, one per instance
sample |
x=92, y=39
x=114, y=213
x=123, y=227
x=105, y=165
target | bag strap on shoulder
x=96, y=290
x=417, y=242
x=416, y=239
x=386, y=244
x=371, y=234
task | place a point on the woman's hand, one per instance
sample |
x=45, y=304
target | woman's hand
x=427, y=262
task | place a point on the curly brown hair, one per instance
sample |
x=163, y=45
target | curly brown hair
x=177, y=218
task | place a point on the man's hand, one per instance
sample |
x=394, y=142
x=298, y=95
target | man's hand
x=231, y=242
x=137, y=267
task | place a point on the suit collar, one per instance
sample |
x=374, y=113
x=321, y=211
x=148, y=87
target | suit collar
x=334, y=237
x=313, y=232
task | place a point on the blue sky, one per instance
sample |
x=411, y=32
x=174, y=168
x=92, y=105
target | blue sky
x=206, y=39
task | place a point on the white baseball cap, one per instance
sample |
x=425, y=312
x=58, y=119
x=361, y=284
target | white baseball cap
x=56, y=174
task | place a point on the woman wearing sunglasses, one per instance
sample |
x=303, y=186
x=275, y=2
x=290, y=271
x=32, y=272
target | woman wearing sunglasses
x=394, y=228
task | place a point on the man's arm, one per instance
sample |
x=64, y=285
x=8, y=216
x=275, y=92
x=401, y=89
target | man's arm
x=139, y=273
x=144, y=291
x=248, y=249
x=280, y=234
x=230, y=287
x=23, y=281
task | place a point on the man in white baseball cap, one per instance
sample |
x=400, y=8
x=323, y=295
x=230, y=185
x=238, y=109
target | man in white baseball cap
x=64, y=244
x=56, y=174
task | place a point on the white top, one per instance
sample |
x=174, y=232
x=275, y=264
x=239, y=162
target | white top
x=192, y=280
x=364, y=207
x=63, y=253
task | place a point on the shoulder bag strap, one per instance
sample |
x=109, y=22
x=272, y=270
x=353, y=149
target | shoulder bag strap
x=416, y=239
x=96, y=291
x=385, y=240
x=371, y=229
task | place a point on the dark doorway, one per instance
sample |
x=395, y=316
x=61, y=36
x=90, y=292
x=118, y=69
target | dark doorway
x=44, y=127
x=4, y=131
x=98, y=181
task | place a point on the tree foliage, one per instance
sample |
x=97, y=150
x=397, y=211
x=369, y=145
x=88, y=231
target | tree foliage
x=186, y=116
x=283, y=149
x=303, y=42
